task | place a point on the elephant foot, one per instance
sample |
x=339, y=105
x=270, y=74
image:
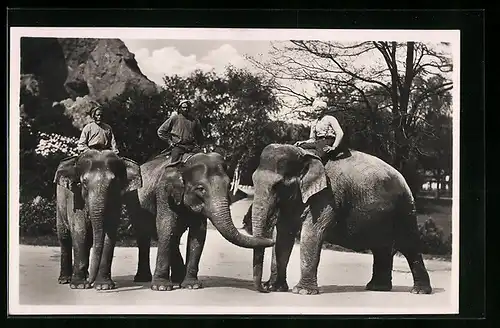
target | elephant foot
x=379, y=286
x=191, y=284
x=276, y=286
x=107, y=284
x=162, y=285
x=421, y=289
x=80, y=284
x=143, y=277
x=64, y=279
x=301, y=290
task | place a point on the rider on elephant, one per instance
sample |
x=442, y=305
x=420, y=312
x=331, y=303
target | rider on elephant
x=182, y=130
x=326, y=136
x=97, y=134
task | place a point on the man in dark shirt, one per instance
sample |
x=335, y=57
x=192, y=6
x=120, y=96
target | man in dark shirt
x=182, y=130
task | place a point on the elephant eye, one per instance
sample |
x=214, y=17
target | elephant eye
x=200, y=189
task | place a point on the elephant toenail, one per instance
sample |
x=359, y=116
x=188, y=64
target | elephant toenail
x=162, y=288
x=303, y=292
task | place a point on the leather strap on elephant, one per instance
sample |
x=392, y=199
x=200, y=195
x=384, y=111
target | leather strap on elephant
x=183, y=159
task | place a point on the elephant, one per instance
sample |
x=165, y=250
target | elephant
x=89, y=195
x=359, y=202
x=175, y=198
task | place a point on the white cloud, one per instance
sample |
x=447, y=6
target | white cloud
x=169, y=61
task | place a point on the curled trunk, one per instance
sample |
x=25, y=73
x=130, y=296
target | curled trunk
x=220, y=216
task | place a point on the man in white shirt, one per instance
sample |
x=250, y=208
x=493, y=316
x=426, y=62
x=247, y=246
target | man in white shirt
x=326, y=136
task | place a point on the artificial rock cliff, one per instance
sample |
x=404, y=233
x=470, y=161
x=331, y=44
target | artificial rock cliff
x=74, y=71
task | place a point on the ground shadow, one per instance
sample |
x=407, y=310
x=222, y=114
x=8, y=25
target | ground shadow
x=126, y=283
x=331, y=289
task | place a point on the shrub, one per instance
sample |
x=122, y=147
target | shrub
x=37, y=218
x=433, y=240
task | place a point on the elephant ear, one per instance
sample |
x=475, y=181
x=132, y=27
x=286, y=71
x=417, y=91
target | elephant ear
x=134, y=178
x=313, y=177
x=174, y=184
x=66, y=173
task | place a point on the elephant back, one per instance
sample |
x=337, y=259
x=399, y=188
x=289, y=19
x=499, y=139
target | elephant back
x=367, y=173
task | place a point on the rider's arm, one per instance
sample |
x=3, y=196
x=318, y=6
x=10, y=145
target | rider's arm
x=113, y=143
x=84, y=137
x=339, y=133
x=164, y=129
x=198, y=133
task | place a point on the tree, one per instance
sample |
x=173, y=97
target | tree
x=233, y=108
x=379, y=74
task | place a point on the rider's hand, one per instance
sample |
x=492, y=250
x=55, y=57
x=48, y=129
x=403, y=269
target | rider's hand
x=328, y=149
x=298, y=143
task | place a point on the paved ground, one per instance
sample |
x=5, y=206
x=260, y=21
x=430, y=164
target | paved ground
x=226, y=273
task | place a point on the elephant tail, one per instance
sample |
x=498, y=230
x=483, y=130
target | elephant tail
x=405, y=224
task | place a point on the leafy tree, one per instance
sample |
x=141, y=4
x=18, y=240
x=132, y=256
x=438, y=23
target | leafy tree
x=377, y=74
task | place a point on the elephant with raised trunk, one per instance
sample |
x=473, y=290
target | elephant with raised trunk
x=89, y=191
x=175, y=198
x=358, y=202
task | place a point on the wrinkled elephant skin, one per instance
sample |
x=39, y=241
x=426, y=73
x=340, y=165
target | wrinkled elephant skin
x=172, y=200
x=89, y=195
x=359, y=202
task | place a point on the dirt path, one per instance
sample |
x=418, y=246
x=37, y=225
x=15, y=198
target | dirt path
x=226, y=273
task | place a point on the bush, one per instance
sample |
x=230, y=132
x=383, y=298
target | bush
x=433, y=240
x=37, y=218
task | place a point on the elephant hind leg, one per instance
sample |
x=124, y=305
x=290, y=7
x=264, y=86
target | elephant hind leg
x=409, y=244
x=143, y=223
x=382, y=269
x=65, y=242
x=285, y=239
x=421, y=280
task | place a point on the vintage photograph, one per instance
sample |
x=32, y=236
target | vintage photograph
x=233, y=171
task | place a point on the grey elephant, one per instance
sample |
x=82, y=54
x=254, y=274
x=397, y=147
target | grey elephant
x=358, y=202
x=89, y=193
x=174, y=199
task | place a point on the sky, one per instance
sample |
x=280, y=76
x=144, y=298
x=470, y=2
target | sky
x=157, y=58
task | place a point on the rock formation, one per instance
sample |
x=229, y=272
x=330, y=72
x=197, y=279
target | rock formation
x=74, y=71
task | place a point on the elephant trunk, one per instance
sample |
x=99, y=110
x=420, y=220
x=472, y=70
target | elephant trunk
x=96, y=213
x=221, y=218
x=260, y=213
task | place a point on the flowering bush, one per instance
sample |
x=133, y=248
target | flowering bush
x=55, y=144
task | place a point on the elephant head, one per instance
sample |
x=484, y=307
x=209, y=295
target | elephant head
x=286, y=175
x=202, y=185
x=98, y=180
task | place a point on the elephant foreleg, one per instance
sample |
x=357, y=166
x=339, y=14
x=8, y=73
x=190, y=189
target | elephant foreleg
x=103, y=279
x=382, y=269
x=79, y=237
x=64, y=237
x=311, y=240
x=285, y=238
x=195, y=244
x=165, y=225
